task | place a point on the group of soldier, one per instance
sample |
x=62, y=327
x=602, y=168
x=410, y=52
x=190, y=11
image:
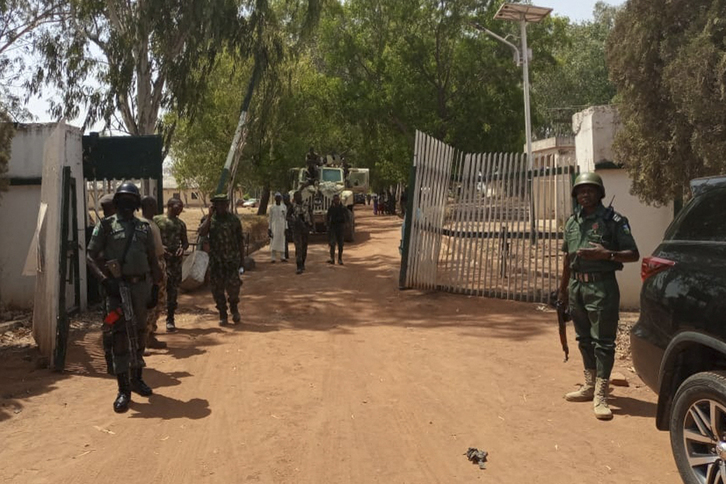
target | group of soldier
x=292, y=220
x=138, y=261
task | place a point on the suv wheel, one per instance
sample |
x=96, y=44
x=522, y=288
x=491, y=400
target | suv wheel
x=698, y=429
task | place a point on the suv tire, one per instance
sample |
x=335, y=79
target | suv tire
x=699, y=402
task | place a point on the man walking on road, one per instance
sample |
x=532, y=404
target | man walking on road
x=597, y=243
x=300, y=222
x=128, y=242
x=148, y=210
x=174, y=235
x=335, y=220
x=226, y=255
x=277, y=224
x=288, y=230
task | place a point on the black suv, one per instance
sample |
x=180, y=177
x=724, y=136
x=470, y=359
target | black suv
x=679, y=342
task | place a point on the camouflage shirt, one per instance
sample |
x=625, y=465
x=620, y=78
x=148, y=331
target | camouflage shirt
x=299, y=218
x=225, y=239
x=171, y=231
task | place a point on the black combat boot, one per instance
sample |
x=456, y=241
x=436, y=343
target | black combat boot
x=236, y=318
x=170, y=326
x=138, y=385
x=121, y=404
x=223, y=317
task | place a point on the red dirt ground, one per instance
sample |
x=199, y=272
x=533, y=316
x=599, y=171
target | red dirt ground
x=334, y=376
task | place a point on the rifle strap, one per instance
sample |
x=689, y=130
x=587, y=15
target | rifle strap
x=129, y=239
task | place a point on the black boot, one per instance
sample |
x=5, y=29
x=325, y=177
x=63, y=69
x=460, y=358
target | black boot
x=138, y=385
x=121, y=404
x=223, y=317
x=170, y=326
x=236, y=318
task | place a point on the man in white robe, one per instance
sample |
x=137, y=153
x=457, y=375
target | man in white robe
x=276, y=228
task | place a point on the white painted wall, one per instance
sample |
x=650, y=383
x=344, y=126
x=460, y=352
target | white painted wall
x=19, y=209
x=595, y=130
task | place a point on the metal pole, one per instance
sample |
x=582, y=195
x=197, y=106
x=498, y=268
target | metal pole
x=527, y=114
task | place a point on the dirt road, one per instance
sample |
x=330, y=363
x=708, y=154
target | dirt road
x=335, y=376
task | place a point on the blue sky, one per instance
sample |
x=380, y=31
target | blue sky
x=577, y=10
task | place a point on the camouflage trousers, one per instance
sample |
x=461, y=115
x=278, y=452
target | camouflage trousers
x=155, y=312
x=173, y=280
x=224, y=278
x=116, y=333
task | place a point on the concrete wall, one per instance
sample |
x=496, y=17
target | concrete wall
x=595, y=130
x=19, y=208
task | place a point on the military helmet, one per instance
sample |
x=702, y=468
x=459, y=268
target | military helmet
x=219, y=197
x=128, y=188
x=589, y=178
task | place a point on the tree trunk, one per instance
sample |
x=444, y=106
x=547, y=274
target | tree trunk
x=264, y=200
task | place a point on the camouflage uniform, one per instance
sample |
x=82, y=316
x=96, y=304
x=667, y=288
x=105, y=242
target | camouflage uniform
x=109, y=237
x=171, y=235
x=300, y=223
x=225, y=249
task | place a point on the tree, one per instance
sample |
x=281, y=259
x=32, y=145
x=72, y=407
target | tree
x=577, y=77
x=20, y=24
x=668, y=62
x=135, y=59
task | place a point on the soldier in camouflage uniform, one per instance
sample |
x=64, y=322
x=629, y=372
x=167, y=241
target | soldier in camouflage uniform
x=128, y=240
x=148, y=210
x=174, y=236
x=226, y=255
x=597, y=243
x=300, y=222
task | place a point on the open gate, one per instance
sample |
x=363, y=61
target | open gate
x=485, y=224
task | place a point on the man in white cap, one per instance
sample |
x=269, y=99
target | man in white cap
x=276, y=228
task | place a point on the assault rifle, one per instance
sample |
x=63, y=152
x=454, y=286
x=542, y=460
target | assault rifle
x=563, y=315
x=127, y=312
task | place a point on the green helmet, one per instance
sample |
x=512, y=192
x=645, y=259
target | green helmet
x=589, y=178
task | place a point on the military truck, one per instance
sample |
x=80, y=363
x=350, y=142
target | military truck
x=328, y=182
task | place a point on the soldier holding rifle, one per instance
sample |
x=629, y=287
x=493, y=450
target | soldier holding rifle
x=121, y=255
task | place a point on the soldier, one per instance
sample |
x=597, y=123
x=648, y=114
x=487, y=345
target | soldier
x=108, y=209
x=174, y=235
x=148, y=210
x=597, y=243
x=335, y=221
x=107, y=205
x=312, y=159
x=300, y=222
x=226, y=255
x=128, y=240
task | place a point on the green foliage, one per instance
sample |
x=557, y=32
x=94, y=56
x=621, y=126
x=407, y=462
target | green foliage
x=578, y=76
x=668, y=62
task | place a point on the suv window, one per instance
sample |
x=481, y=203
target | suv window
x=704, y=219
x=332, y=175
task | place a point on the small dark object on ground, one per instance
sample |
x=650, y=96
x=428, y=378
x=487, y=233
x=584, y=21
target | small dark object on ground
x=477, y=456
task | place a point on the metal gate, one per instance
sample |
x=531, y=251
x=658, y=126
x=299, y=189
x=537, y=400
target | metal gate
x=485, y=224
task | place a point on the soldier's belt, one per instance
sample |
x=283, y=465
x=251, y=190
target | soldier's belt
x=134, y=279
x=593, y=276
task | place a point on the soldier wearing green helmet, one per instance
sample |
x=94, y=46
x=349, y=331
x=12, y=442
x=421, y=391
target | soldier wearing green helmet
x=597, y=241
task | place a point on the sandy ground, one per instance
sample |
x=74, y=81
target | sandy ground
x=335, y=376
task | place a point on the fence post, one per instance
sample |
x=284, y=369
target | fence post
x=407, y=221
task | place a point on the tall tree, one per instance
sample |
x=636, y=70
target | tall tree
x=668, y=61
x=577, y=77
x=21, y=23
x=135, y=59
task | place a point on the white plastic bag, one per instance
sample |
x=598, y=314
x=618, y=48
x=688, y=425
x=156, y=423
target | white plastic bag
x=194, y=268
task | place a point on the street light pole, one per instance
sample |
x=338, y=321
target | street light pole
x=527, y=112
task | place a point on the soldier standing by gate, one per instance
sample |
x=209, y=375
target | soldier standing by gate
x=174, y=235
x=597, y=243
x=226, y=255
x=300, y=223
x=127, y=241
